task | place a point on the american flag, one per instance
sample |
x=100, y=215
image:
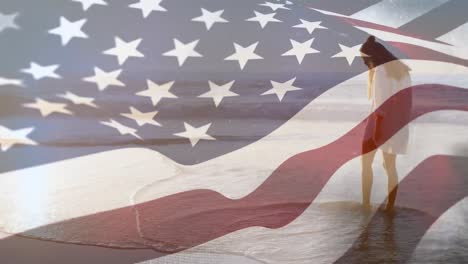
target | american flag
x=167, y=131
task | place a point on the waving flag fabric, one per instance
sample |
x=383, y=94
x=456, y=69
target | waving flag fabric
x=142, y=130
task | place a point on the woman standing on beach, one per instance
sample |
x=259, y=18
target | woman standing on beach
x=387, y=76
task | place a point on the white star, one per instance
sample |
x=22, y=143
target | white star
x=274, y=6
x=104, y=79
x=46, y=108
x=123, y=130
x=88, y=3
x=148, y=6
x=183, y=51
x=38, y=72
x=263, y=19
x=142, y=118
x=209, y=18
x=243, y=55
x=300, y=49
x=218, y=92
x=9, y=138
x=309, y=26
x=123, y=50
x=195, y=134
x=349, y=53
x=78, y=100
x=156, y=92
x=280, y=89
x=8, y=21
x=68, y=30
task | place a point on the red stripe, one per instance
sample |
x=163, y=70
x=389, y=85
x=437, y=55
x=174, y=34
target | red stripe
x=420, y=53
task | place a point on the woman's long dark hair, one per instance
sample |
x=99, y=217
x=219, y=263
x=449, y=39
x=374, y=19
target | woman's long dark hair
x=376, y=54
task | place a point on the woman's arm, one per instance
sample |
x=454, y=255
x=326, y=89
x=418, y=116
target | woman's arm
x=382, y=89
x=370, y=80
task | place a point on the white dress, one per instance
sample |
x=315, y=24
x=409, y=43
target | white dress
x=381, y=87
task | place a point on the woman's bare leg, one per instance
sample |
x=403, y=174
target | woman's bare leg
x=390, y=169
x=367, y=177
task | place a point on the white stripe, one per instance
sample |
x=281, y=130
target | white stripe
x=328, y=12
x=457, y=37
x=456, y=51
x=395, y=13
x=451, y=232
x=204, y=258
x=50, y=193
